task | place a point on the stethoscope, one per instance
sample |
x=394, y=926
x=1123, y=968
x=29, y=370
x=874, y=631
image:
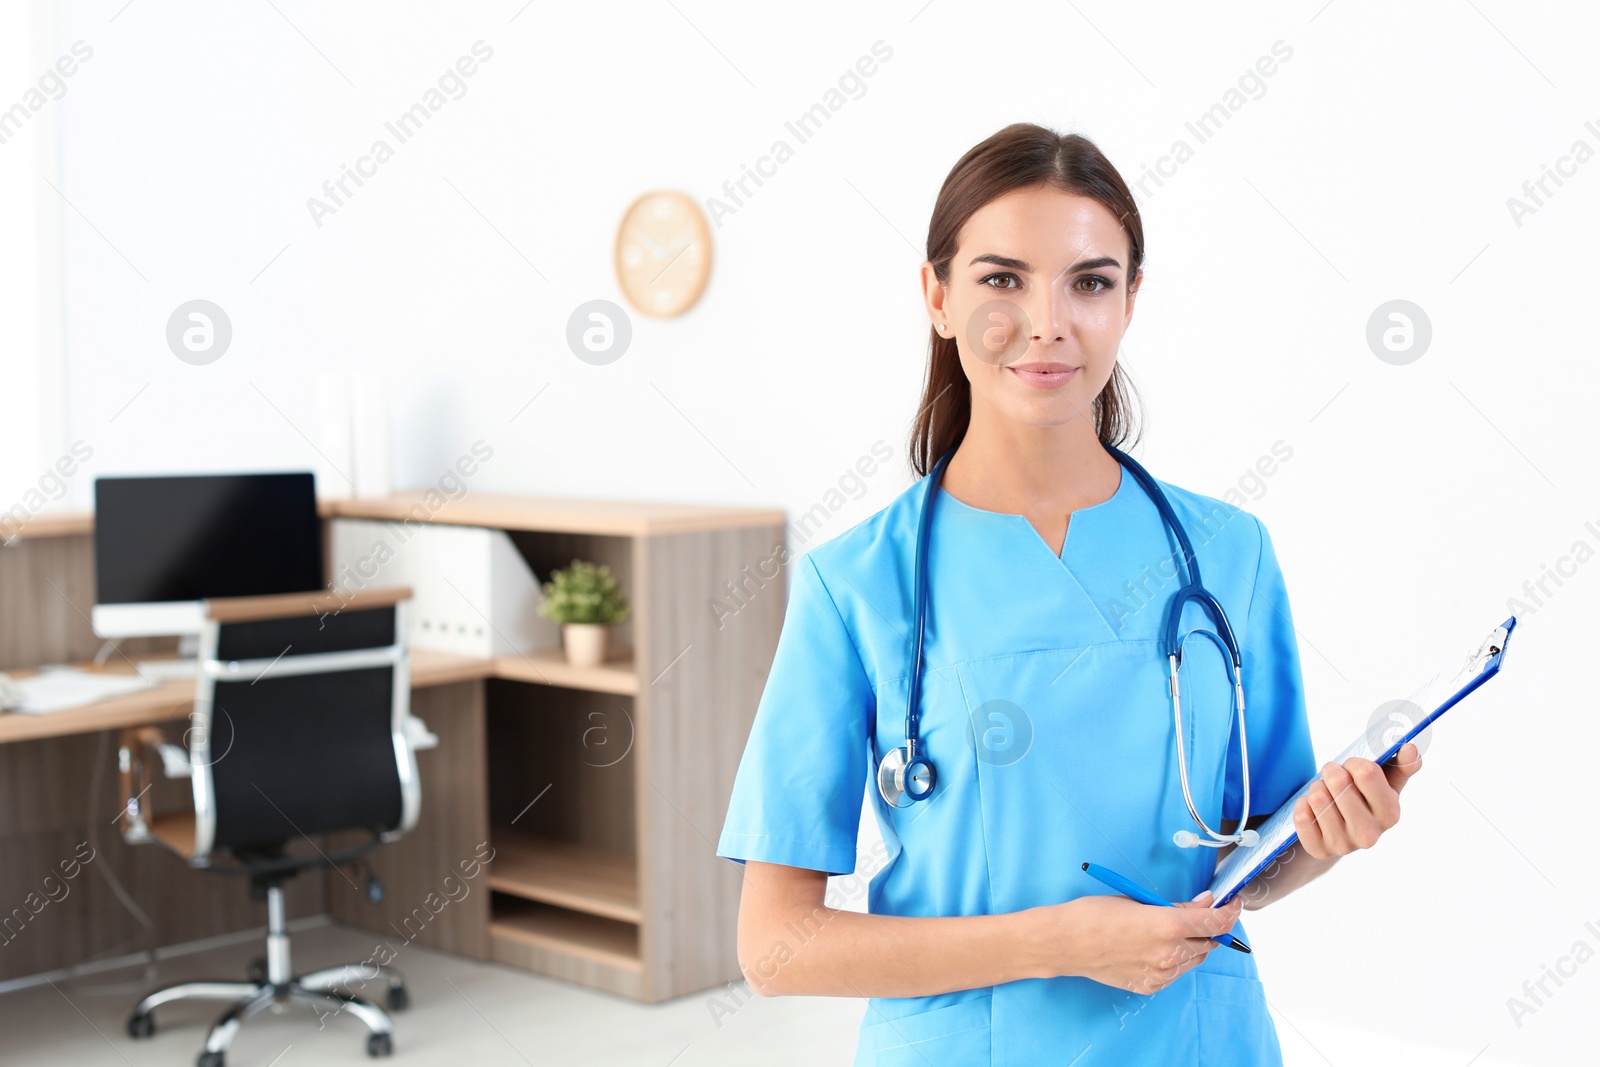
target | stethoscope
x=906, y=775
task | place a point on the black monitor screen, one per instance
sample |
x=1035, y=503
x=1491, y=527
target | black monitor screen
x=200, y=536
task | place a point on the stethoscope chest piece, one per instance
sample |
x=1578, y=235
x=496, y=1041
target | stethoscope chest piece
x=902, y=784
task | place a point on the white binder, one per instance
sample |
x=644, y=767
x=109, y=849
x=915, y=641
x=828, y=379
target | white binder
x=472, y=592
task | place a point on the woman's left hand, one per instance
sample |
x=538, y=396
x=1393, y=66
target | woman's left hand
x=1353, y=803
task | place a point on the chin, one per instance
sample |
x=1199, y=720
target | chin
x=1048, y=411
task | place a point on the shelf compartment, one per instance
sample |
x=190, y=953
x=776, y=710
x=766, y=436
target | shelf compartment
x=517, y=922
x=577, y=877
x=550, y=667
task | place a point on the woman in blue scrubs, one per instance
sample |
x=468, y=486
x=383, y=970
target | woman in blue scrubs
x=1044, y=698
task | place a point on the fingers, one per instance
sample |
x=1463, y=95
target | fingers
x=1198, y=921
x=1180, y=938
x=1186, y=942
x=1348, y=783
x=1182, y=957
x=1382, y=799
x=1406, y=762
x=1193, y=959
x=1352, y=804
x=1305, y=825
x=1326, y=808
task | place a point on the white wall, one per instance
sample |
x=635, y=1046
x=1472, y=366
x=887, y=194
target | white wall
x=30, y=353
x=1375, y=165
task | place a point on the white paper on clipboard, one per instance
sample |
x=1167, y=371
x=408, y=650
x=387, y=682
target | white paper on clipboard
x=1437, y=696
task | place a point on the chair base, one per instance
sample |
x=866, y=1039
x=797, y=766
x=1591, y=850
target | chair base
x=271, y=987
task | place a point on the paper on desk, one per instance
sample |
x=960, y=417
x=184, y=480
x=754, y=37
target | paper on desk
x=68, y=687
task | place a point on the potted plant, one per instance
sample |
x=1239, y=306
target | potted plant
x=585, y=599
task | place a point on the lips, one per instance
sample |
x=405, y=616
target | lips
x=1043, y=375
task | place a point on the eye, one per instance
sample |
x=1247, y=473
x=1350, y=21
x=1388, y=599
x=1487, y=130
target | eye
x=1104, y=284
x=1002, y=274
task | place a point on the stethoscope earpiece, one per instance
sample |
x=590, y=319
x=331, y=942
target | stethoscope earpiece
x=1190, y=839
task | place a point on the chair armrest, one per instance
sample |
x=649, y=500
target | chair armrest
x=418, y=734
x=140, y=746
x=287, y=605
x=175, y=761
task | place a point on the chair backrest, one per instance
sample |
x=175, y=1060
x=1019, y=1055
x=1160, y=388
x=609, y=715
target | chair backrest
x=300, y=720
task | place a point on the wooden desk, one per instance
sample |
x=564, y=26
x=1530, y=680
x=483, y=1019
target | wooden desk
x=172, y=701
x=601, y=790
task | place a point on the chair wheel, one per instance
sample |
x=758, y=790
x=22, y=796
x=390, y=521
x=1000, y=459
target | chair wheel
x=398, y=999
x=377, y=1045
x=257, y=971
x=209, y=1059
x=142, y=1024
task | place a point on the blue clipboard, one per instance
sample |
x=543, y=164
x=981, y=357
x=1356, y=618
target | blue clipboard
x=1241, y=866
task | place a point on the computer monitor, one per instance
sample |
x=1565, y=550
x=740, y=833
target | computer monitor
x=162, y=545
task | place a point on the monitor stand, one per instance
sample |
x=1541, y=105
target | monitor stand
x=166, y=670
x=161, y=619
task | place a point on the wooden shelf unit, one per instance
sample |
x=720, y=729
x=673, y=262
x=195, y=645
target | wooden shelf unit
x=569, y=876
x=519, y=925
x=550, y=667
x=606, y=786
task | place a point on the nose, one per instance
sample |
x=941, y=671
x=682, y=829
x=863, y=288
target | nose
x=1049, y=313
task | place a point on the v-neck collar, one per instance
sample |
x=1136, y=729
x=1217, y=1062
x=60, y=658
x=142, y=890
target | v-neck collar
x=1124, y=488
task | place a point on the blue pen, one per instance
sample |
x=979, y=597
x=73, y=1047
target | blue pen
x=1128, y=889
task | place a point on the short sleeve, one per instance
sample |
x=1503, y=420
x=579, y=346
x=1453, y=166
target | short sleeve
x=1276, y=726
x=797, y=796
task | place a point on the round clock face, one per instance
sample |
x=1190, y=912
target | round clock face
x=663, y=253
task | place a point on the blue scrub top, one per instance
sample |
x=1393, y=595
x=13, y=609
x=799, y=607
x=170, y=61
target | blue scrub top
x=1046, y=713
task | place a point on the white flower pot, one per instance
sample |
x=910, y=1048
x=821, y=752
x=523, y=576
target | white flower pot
x=585, y=643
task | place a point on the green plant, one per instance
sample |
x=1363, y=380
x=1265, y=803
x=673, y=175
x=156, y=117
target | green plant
x=584, y=593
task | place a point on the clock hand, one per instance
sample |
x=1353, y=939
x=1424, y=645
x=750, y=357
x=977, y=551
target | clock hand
x=681, y=250
x=644, y=239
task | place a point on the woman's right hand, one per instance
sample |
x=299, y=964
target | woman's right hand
x=1138, y=947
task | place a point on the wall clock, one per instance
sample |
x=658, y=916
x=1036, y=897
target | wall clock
x=663, y=253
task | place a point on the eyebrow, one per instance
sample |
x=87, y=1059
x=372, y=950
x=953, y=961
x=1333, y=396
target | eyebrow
x=1017, y=264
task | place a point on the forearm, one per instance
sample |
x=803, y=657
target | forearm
x=1284, y=875
x=1348, y=808
x=830, y=952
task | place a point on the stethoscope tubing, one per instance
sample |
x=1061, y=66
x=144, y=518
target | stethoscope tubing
x=1172, y=646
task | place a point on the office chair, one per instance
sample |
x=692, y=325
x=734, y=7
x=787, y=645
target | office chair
x=301, y=725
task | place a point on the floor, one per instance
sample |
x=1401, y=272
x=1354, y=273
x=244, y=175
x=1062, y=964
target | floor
x=466, y=1014
x=463, y=1014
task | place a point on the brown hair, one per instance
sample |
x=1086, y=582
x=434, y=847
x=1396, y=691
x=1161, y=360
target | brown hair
x=1021, y=155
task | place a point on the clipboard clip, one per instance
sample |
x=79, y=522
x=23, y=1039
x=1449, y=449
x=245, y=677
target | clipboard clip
x=1488, y=650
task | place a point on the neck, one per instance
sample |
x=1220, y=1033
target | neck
x=1003, y=465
